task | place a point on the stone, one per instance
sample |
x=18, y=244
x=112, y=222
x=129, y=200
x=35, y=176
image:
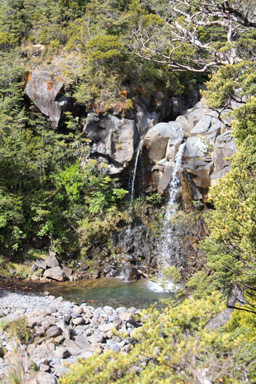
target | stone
x=78, y=321
x=193, y=148
x=221, y=319
x=36, y=276
x=43, y=89
x=53, y=331
x=41, y=264
x=82, y=342
x=202, y=126
x=73, y=348
x=126, y=316
x=195, y=114
x=52, y=261
x=165, y=179
x=184, y=123
x=45, y=378
x=86, y=355
x=158, y=137
x=33, y=268
x=55, y=273
x=96, y=338
x=201, y=174
x=68, y=271
x=114, y=347
x=224, y=148
x=32, y=321
x=59, y=340
x=61, y=353
x=216, y=176
x=106, y=327
x=129, y=273
x=44, y=367
x=79, y=310
x=113, y=137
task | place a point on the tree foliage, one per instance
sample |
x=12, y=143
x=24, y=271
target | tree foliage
x=175, y=346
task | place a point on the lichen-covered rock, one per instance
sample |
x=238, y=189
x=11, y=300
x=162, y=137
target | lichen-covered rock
x=44, y=90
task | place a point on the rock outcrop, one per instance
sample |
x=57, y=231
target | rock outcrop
x=46, y=91
x=209, y=145
x=163, y=122
x=113, y=138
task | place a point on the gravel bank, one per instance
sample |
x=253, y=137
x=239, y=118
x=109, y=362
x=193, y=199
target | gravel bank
x=60, y=333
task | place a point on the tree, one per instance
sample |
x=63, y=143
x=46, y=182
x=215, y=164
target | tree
x=231, y=245
x=194, y=35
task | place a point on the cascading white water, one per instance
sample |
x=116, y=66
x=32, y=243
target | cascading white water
x=164, y=258
x=135, y=171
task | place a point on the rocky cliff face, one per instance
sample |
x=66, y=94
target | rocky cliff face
x=163, y=123
x=209, y=145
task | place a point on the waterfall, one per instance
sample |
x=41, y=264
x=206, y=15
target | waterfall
x=135, y=171
x=166, y=237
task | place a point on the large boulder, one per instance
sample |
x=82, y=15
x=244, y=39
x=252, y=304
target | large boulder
x=160, y=137
x=44, y=90
x=55, y=273
x=113, y=138
x=223, y=149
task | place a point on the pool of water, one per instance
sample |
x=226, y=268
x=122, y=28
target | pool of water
x=112, y=292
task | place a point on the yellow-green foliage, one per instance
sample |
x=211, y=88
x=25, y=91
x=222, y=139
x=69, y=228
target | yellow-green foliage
x=174, y=346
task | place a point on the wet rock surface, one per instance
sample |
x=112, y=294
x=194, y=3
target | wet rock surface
x=60, y=332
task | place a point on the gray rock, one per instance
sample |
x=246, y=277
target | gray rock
x=44, y=367
x=73, y=348
x=43, y=88
x=96, y=338
x=113, y=137
x=86, y=355
x=68, y=271
x=165, y=179
x=41, y=264
x=193, y=148
x=221, y=319
x=61, y=353
x=78, y=321
x=79, y=310
x=55, y=273
x=195, y=114
x=184, y=123
x=224, y=148
x=54, y=331
x=202, y=127
x=52, y=261
x=158, y=137
x=106, y=327
x=82, y=342
x=45, y=378
x=114, y=347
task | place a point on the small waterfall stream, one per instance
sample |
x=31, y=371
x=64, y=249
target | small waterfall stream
x=134, y=172
x=166, y=238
